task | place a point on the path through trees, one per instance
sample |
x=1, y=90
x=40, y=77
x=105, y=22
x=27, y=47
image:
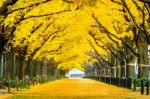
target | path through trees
x=77, y=89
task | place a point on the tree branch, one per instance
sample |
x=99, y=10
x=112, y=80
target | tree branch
x=109, y=34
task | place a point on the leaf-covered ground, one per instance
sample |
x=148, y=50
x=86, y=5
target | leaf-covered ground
x=77, y=89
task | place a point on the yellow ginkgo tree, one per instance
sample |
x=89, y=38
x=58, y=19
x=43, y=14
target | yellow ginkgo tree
x=68, y=33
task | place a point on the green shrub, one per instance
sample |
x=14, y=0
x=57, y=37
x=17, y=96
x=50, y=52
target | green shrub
x=13, y=83
x=138, y=82
x=21, y=84
x=2, y=78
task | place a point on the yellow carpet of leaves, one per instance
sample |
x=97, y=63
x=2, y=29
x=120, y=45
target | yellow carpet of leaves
x=4, y=96
x=77, y=89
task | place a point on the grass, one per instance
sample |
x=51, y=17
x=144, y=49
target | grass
x=77, y=89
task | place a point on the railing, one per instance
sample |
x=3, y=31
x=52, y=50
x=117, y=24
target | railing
x=123, y=76
x=128, y=83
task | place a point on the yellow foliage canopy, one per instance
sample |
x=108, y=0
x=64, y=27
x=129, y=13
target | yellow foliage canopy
x=55, y=28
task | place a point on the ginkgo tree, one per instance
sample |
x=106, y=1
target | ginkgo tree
x=34, y=29
x=63, y=34
x=129, y=26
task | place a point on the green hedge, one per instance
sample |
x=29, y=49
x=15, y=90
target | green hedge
x=138, y=82
x=21, y=84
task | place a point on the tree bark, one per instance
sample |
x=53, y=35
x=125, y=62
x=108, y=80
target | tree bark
x=143, y=57
x=21, y=67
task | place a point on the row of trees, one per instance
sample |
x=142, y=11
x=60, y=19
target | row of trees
x=52, y=34
x=23, y=37
x=40, y=37
x=126, y=41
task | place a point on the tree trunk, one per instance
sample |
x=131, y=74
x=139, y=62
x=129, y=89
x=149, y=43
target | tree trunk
x=143, y=57
x=10, y=65
x=28, y=69
x=21, y=68
x=34, y=68
x=1, y=64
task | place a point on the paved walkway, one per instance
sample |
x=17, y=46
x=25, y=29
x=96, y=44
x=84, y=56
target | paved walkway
x=77, y=89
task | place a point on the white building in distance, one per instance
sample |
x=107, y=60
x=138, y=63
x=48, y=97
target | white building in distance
x=75, y=73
